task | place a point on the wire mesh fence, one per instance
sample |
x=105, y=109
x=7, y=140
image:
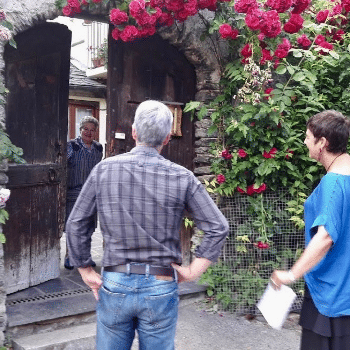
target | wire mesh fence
x=261, y=239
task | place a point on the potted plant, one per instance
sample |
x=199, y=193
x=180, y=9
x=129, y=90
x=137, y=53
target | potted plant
x=101, y=55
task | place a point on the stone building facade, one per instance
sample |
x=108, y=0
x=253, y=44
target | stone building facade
x=25, y=14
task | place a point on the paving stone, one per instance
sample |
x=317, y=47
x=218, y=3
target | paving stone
x=73, y=338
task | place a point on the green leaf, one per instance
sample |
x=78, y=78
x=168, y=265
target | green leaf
x=299, y=76
x=192, y=105
x=281, y=69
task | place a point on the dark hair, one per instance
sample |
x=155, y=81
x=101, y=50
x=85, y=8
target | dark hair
x=333, y=126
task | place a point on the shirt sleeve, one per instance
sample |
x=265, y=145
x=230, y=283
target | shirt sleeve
x=69, y=151
x=209, y=219
x=81, y=225
x=329, y=204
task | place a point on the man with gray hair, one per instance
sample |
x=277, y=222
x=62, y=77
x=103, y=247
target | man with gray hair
x=141, y=198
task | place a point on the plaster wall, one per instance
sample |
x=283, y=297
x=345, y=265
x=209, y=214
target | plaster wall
x=185, y=36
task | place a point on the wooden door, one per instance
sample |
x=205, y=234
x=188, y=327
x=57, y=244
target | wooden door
x=37, y=76
x=148, y=69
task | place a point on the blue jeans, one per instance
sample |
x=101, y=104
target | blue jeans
x=129, y=302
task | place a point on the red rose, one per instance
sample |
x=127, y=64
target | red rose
x=252, y=124
x=279, y=5
x=207, y=4
x=136, y=7
x=270, y=24
x=225, y=30
x=338, y=36
x=273, y=151
x=118, y=17
x=226, y=154
x=281, y=53
x=242, y=153
x=294, y=24
x=346, y=5
x=270, y=154
x=319, y=39
x=74, y=4
x=300, y=5
x=289, y=153
x=336, y=10
x=166, y=19
x=268, y=92
x=285, y=45
x=68, y=11
x=129, y=33
x=246, y=51
x=116, y=34
x=240, y=190
x=304, y=41
x=243, y=6
x=146, y=31
x=252, y=19
x=261, y=188
x=265, y=56
x=250, y=190
x=283, y=49
x=220, y=179
x=261, y=36
x=276, y=63
x=325, y=45
x=321, y=17
x=262, y=245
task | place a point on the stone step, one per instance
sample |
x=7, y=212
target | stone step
x=72, y=338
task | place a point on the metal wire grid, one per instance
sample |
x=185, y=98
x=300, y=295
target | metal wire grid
x=245, y=268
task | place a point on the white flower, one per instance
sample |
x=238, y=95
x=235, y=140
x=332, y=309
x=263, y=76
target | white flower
x=5, y=33
x=4, y=196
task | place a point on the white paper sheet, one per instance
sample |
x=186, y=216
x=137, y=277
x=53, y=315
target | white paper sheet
x=275, y=305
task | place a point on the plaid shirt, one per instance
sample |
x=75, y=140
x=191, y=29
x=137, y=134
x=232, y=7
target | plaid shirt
x=141, y=198
x=81, y=161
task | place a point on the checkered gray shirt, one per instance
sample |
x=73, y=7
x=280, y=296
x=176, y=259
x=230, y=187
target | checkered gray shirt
x=140, y=198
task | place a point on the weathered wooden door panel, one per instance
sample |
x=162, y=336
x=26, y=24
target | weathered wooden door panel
x=148, y=69
x=37, y=76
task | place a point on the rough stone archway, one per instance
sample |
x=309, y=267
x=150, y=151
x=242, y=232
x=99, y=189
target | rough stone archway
x=25, y=14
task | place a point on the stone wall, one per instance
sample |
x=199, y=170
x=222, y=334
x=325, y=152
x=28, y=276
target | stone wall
x=201, y=54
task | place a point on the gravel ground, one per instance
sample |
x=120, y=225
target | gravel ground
x=199, y=329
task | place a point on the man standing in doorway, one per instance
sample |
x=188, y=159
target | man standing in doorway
x=141, y=198
x=83, y=153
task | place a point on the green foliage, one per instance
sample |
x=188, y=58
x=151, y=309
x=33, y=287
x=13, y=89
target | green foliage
x=217, y=279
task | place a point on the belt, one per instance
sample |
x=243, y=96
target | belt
x=141, y=269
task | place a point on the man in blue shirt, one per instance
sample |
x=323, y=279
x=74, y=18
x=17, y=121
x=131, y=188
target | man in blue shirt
x=83, y=153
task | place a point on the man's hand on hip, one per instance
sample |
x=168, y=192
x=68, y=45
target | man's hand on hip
x=193, y=271
x=91, y=278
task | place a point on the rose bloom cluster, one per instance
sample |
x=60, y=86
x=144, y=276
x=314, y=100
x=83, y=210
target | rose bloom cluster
x=143, y=17
x=270, y=154
x=226, y=154
x=265, y=19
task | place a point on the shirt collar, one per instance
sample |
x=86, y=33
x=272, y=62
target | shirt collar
x=80, y=141
x=151, y=151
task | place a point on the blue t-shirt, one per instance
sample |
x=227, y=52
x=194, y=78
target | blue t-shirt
x=329, y=280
